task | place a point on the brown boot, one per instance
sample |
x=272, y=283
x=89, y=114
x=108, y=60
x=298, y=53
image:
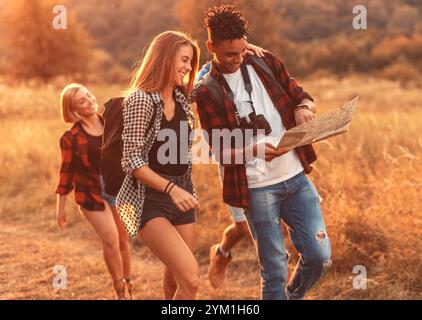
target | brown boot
x=217, y=268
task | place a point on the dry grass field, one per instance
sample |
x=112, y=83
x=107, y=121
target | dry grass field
x=370, y=180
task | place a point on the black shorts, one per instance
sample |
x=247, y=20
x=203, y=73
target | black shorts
x=159, y=204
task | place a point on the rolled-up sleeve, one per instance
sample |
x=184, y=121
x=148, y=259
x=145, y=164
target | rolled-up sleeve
x=137, y=114
x=67, y=167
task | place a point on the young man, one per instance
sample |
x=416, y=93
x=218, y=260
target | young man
x=278, y=188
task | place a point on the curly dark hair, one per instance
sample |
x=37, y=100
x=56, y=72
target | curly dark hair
x=225, y=22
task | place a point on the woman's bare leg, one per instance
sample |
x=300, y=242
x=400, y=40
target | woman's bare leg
x=168, y=245
x=105, y=226
x=187, y=232
x=125, y=250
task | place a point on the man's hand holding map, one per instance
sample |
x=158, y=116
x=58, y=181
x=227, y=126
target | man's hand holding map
x=328, y=125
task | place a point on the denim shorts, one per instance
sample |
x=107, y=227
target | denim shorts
x=159, y=204
x=111, y=200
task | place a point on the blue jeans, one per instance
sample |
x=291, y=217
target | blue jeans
x=296, y=202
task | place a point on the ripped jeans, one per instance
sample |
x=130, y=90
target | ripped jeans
x=296, y=202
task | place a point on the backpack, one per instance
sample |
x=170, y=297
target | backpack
x=112, y=145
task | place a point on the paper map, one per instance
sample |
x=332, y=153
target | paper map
x=328, y=125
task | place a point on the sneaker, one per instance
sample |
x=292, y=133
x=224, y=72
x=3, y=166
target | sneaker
x=217, y=268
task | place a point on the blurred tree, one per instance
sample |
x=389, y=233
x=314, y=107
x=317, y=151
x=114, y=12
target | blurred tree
x=321, y=19
x=403, y=20
x=124, y=28
x=308, y=35
x=3, y=58
x=190, y=16
x=36, y=49
x=399, y=49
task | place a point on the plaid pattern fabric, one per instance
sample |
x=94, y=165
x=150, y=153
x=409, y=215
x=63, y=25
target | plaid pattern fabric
x=137, y=114
x=76, y=172
x=285, y=95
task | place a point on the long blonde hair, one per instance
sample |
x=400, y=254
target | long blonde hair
x=156, y=70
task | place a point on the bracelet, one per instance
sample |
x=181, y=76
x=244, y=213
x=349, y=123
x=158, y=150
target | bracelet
x=171, y=188
x=165, y=189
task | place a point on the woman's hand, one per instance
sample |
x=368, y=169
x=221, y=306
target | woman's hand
x=183, y=200
x=61, y=218
x=255, y=50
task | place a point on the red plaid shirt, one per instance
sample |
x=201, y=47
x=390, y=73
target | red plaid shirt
x=213, y=116
x=77, y=172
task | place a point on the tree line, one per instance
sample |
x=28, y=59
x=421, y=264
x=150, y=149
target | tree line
x=105, y=37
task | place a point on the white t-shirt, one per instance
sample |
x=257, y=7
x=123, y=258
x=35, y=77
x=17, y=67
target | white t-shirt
x=261, y=173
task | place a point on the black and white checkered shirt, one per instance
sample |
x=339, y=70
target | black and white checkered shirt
x=137, y=114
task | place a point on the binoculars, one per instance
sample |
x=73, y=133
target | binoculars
x=257, y=122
